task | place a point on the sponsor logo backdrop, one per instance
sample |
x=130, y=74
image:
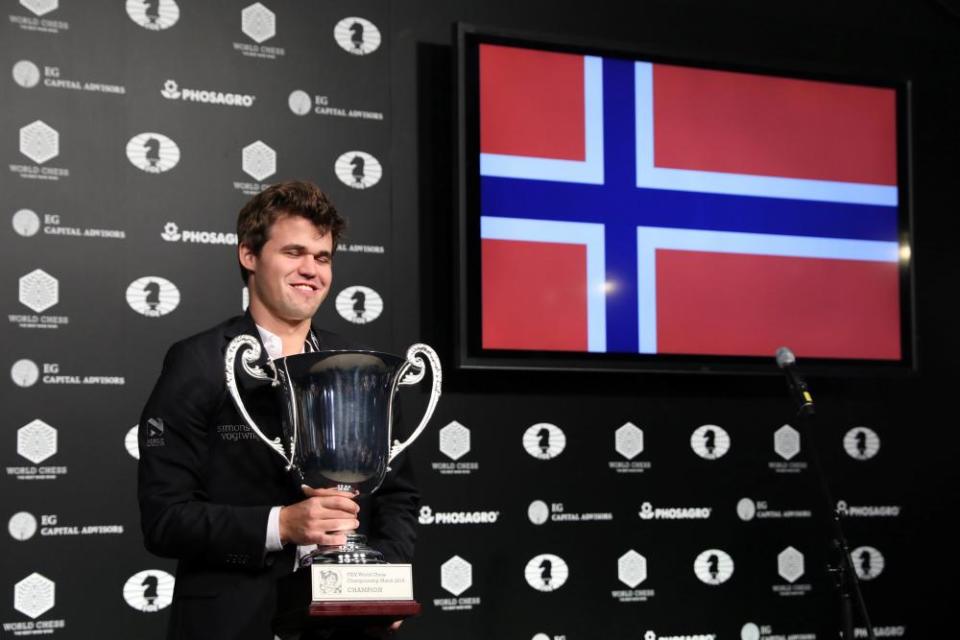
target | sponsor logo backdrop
x=130, y=134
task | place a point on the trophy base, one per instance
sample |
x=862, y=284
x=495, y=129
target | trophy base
x=372, y=610
x=354, y=551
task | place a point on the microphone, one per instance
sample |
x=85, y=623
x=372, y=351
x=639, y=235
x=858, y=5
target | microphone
x=798, y=388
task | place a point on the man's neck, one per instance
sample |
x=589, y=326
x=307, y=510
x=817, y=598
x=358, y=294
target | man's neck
x=292, y=334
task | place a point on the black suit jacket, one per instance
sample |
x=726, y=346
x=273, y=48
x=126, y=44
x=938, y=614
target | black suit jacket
x=207, y=484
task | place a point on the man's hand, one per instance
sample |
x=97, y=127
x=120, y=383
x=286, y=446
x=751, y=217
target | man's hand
x=323, y=518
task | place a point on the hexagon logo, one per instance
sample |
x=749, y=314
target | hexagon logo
x=454, y=440
x=259, y=160
x=456, y=575
x=149, y=591
x=39, y=290
x=358, y=169
x=359, y=304
x=632, y=568
x=861, y=443
x=153, y=152
x=790, y=564
x=26, y=74
x=39, y=141
x=868, y=562
x=131, y=443
x=26, y=223
x=300, y=102
x=746, y=509
x=544, y=441
x=22, y=526
x=786, y=442
x=546, y=572
x=538, y=512
x=34, y=595
x=710, y=441
x=258, y=23
x=628, y=440
x=154, y=16
x=36, y=441
x=24, y=373
x=713, y=566
x=40, y=7
x=358, y=36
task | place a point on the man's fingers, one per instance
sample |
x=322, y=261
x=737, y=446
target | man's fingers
x=319, y=493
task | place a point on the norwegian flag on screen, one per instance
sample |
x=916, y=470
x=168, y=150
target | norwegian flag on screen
x=637, y=207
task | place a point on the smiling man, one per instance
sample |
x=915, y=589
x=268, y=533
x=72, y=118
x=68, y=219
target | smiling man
x=215, y=497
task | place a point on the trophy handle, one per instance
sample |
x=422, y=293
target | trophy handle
x=248, y=360
x=412, y=372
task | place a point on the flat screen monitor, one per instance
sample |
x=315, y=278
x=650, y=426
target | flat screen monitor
x=631, y=210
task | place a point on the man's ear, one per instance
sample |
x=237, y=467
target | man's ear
x=248, y=259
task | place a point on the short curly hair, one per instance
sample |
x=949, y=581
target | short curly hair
x=292, y=198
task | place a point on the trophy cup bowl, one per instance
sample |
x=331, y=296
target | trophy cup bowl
x=337, y=425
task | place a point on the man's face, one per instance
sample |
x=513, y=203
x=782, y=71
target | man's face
x=292, y=274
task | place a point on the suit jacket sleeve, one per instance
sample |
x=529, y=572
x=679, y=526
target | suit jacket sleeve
x=177, y=518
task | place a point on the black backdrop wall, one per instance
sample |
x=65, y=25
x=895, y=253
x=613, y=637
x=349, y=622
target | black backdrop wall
x=130, y=138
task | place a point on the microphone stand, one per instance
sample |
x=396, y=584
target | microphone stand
x=845, y=576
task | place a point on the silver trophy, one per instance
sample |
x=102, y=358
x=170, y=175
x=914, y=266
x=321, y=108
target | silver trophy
x=337, y=419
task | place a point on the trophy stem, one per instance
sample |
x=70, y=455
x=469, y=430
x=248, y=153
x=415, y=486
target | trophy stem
x=354, y=551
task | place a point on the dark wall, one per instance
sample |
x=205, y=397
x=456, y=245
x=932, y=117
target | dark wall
x=483, y=519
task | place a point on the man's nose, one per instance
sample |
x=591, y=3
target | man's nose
x=308, y=266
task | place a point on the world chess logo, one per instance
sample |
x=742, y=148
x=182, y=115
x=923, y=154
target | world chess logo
x=628, y=440
x=259, y=160
x=39, y=290
x=538, y=512
x=454, y=440
x=258, y=23
x=40, y=7
x=861, y=443
x=357, y=36
x=544, y=441
x=26, y=74
x=149, y=591
x=300, y=102
x=153, y=152
x=786, y=442
x=34, y=595
x=26, y=223
x=790, y=564
x=359, y=305
x=358, y=169
x=155, y=15
x=22, y=526
x=456, y=575
x=713, y=566
x=710, y=441
x=153, y=296
x=39, y=141
x=868, y=562
x=24, y=373
x=36, y=441
x=546, y=572
x=632, y=568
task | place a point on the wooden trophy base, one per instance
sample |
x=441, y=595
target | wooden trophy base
x=392, y=609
